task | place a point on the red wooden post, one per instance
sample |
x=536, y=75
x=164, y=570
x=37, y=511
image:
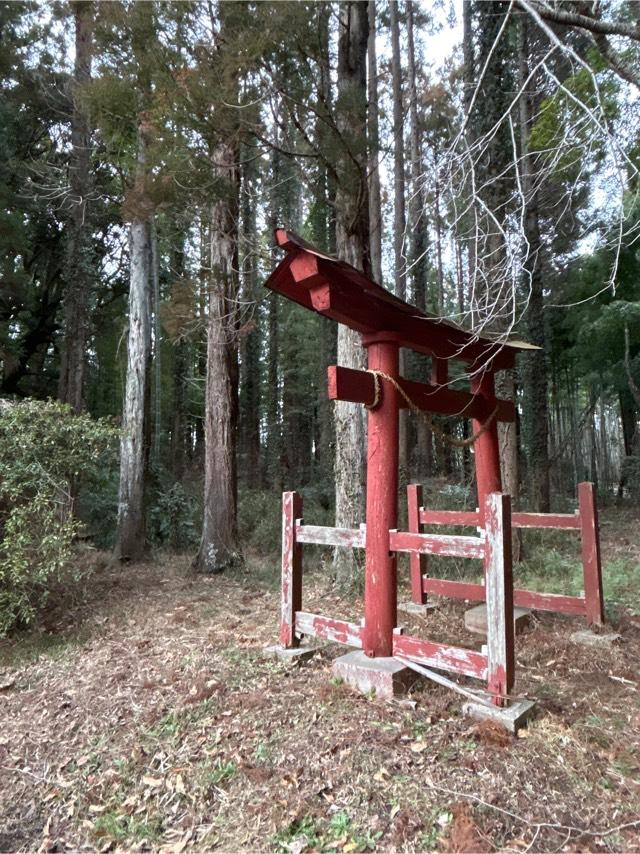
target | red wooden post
x=291, y=600
x=380, y=593
x=591, y=560
x=486, y=448
x=417, y=562
x=499, y=591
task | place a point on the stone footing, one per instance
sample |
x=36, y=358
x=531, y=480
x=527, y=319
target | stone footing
x=475, y=619
x=589, y=638
x=294, y=655
x=414, y=608
x=386, y=676
x=512, y=718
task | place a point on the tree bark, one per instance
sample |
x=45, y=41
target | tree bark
x=418, y=230
x=218, y=545
x=536, y=391
x=179, y=425
x=251, y=363
x=130, y=537
x=375, y=205
x=352, y=244
x=78, y=267
x=399, y=216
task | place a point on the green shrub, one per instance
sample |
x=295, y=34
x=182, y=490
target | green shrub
x=174, y=516
x=631, y=475
x=260, y=518
x=46, y=455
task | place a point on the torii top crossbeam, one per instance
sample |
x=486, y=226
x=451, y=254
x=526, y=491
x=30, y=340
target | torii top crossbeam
x=336, y=290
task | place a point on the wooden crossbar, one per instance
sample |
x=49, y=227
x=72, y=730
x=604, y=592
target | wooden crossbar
x=471, y=518
x=454, y=659
x=323, y=536
x=359, y=387
x=553, y=602
x=337, y=631
x=437, y=544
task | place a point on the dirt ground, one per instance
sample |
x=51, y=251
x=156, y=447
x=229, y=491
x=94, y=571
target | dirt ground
x=147, y=717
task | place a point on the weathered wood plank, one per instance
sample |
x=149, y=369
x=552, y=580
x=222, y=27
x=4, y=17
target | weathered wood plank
x=591, y=559
x=553, y=602
x=291, y=591
x=417, y=562
x=545, y=520
x=337, y=631
x=518, y=520
x=454, y=589
x=325, y=536
x=469, y=662
x=437, y=544
x=468, y=518
x=499, y=596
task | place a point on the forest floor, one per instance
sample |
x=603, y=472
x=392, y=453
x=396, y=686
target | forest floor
x=146, y=717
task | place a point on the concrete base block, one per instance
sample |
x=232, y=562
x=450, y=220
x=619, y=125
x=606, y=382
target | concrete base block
x=585, y=637
x=414, y=608
x=475, y=619
x=386, y=676
x=294, y=655
x=512, y=718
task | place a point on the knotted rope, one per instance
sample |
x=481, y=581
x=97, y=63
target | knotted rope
x=433, y=426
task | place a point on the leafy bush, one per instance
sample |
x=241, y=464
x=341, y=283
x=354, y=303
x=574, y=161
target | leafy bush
x=46, y=454
x=260, y=518
x=631, y=475
x=174, y=515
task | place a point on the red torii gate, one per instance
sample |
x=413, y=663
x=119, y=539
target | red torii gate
x=336, y=290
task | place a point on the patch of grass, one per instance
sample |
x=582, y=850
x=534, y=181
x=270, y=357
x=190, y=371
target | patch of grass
x=438, y=822
x=304, y=827
x=234, y=655
x=621, y=582
x=167, y=727
x=216, y=773
x=322, y=836
x=263, y=753
x=28, y=647
x=121, y=828
x=550, y=571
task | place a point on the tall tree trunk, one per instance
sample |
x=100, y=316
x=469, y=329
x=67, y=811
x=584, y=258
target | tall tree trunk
x=323, y=235
x=218, y=545
x=130, y=537
x=251, y=364
x=418, y=230
x=536, y=386
x=179, y=426
x=399, y=217
x=469, y=72
x=272, y=472
x=78, y=267
x=439, y=264
x=352, y=244
x=375, y=204
x=399, y=213
x=157, y=361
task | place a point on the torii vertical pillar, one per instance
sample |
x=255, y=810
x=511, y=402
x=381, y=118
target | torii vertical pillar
x=380, y=588
x=486, y=446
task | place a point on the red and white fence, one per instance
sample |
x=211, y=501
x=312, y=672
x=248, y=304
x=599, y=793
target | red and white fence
x=584, y=520
x=492, y=545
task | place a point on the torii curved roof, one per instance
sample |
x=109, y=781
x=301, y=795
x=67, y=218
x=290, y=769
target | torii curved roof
x=337, y=290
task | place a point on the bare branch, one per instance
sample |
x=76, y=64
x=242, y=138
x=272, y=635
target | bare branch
x=585, y=22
